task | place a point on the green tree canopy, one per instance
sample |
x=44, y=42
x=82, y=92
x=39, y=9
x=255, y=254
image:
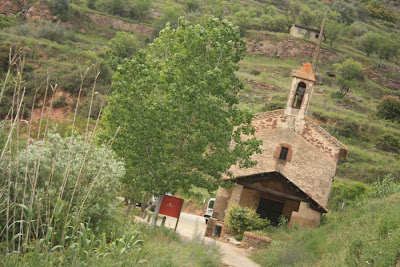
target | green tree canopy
x=348, y=73
x=333, y=29
x=370, y=43
x=123, y=45
x=175, y=105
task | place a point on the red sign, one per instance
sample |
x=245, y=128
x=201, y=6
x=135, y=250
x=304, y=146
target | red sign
x=171, y=206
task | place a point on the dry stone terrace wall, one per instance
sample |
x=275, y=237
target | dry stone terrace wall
x=255, y=241
x=118, y=24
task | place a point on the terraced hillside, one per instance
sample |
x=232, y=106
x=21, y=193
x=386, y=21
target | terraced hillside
x=70, y=43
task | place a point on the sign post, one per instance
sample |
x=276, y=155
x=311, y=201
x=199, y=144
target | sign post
x=171, y=206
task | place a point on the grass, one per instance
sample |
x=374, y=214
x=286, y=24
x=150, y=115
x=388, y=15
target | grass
x=359, y=236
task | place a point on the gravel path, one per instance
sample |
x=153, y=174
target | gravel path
x=190, y=225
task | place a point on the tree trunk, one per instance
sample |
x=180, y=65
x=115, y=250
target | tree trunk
x=129, y=207
x=156, y=211
x=143, y=208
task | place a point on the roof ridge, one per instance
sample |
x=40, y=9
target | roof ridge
x=325, y=133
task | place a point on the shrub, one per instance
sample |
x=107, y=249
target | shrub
x=191, y=5
x=380, y=12
x=51, y=31
x=60, y=102
x=60, y=7
x=126, y=8
x=123, y=45
x=274, y=23
x=388, y=142
x=349, y=72
x=369, y=43
x=389, y=108
x=386, y=186
x=95, y=168
x=240, y=219
x=140, y=8
x=347, y=11
x=255, y=72
x=356, y=30
x=7, y=21
x=348, y=192
x=348, y=129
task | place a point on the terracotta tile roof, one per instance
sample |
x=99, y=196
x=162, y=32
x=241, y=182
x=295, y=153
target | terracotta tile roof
x=305, y=72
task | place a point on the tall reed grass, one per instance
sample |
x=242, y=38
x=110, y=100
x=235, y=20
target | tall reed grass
x=52, y=188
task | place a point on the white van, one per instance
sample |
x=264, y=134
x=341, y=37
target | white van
x=209, y=209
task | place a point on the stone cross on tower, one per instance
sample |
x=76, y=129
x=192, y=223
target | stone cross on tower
x=299, y=97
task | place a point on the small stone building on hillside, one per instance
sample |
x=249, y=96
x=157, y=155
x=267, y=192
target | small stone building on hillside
x=304, y=32
x=294, y=172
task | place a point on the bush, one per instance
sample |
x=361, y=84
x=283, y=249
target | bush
x=60, y=102
x=60, y=7
x=386, y=186
x=388, y=142
x=356, y=30
x=136, y=9
x=51, y=31
x=7, y=21
x=241, y=219
x=255, y=72
x=389, y=108
x=98, y=179
x=123, y=45
x=275, y=23
x=348, y=192
x=380, y=12
x=348, y=129
x=369, y=42
x=349, y=72
x=191, y=5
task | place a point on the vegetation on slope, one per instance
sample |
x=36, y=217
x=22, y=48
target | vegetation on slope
x=91, y=38
x=367, y=233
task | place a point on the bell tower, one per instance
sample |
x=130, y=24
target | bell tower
x=299, y=97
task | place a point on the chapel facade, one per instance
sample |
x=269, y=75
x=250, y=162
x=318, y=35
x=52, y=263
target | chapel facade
x=294, y=172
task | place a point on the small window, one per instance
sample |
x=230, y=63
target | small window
x=299, y=30
x=317, y=35
x=284, y=153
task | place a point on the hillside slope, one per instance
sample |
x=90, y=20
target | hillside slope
x=68, y=45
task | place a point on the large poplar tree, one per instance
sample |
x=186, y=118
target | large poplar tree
x=175, y=108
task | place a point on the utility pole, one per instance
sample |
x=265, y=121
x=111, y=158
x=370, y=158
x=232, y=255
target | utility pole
x=318, y=48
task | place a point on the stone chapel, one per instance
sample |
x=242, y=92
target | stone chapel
x=294, y=172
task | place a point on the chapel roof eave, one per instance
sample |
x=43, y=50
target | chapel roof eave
x=308, y=197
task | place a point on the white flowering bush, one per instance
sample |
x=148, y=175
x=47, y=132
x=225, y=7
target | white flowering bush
x=59, y=177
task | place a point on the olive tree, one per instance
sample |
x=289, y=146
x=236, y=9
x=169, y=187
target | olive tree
x=175, y=105
x=349, y=72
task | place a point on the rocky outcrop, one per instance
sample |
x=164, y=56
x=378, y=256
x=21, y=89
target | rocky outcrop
x=39, y=12
x=288, y=47
x=118, y=24
x=9, y=7
x=263, y=86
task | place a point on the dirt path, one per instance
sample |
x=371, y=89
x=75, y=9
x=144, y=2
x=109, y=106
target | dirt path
x=190, y=225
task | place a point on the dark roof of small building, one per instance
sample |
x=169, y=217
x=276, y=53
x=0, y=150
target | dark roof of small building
x=307, y=27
